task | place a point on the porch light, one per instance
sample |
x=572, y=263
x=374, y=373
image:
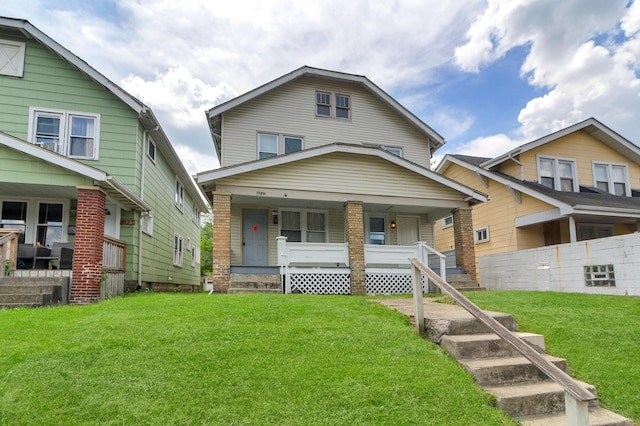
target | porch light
x=393, y=224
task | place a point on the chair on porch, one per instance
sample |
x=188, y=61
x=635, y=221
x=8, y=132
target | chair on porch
x=63, y=254
x=26, y=256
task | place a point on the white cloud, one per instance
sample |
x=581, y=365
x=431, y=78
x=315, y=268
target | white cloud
x=584, y=78
x=489, y=146
x=195, y=161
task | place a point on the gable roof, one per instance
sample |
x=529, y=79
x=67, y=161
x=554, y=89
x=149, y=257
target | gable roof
x=214, y=115
x=590, y=201
x=112, y=186
x=145, y=115
x=208, y=177
x=591, y=126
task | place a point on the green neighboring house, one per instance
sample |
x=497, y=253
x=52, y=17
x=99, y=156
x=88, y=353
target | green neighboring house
x=84, y=163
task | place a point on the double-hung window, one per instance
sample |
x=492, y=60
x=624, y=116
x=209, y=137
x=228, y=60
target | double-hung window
x=179, y=195
x=14, y=216
x=557, y=173
x=178, y=248
x=335, y=105
x=72, y=134
x=195, y=214
x=49, y=228
x=271, y=144
x=612, y=178
x=306, y=226
x=377, y=230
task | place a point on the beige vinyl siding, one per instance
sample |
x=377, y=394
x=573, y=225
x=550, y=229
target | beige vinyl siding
x=236, y=234
x=582, y=148
x=346, y=174
x=444, y=238
x=290, y=110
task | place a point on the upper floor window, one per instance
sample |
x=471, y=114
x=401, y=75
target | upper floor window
x=270, y=145
x=73, y=134
x=12, y=58
x=179, y=195
x=146, y=223
x=333, y=105
x=558, y=174
x=612, y=178
x=394, y=150
x=151, y=149
x=195, y=214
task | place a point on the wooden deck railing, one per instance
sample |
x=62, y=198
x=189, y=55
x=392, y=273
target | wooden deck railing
x=8, y=249
x=114, y=260
x=577, y=397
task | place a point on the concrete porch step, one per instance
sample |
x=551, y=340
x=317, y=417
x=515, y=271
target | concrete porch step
x=532, y=398
x=457, y=322
x=487, y=345
x=507, y=370
x=598, y=416
x=23, y=298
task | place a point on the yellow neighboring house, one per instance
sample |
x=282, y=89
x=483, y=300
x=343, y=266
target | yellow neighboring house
x=572, y=185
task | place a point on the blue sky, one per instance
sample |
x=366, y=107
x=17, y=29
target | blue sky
x=486, y=74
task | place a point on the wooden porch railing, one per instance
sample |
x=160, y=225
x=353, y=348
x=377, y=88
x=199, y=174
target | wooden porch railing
x=114, y=257
x=577, y=397
x=8, y=249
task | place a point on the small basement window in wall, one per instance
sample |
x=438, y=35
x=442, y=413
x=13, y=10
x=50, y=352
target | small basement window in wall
x=481, y=235
x=12, y=58
x=599, y=276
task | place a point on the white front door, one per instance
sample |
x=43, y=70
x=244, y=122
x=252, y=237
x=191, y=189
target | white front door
x=408, y=230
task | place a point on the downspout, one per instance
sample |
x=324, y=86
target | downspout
x=145, y=136
x=519, y=164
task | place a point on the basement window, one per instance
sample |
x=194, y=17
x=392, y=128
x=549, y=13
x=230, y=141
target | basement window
x=599, y=276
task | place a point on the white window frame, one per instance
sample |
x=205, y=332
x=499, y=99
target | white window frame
x=195, y=214
x=396, y=150
x=594, y=227
x=14, y=65
x=481, y=235
x=333, y=104
x=303, y=222
x=280, y=143
x=64, y=136
x=610, y=181
x=150, y=154
x=146, y=224
x=178, y=249
x=447, y=221
x=7, y=223
x=179, y=195
x=556, y=168
x=368, y=217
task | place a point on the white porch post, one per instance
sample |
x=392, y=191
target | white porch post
x=283, y=262
x=576, y=412
x=572, y=229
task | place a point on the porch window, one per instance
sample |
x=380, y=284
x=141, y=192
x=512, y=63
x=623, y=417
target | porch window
x=14, y=216
x=557, y=173
x=612, y=178
x=377, y=230
x=177, y=250
x=304, y=226
x=72, y=134
x=49, y=229
x=588, y=231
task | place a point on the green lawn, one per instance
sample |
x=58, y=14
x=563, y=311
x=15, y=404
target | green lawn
x=599, y=336
x=232, y=360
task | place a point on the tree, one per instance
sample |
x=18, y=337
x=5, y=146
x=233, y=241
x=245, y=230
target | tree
x=206, y=248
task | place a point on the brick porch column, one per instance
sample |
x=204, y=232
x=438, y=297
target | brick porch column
x=355, y=237
x=88, y=246
x=221, y=202
x=464, y=244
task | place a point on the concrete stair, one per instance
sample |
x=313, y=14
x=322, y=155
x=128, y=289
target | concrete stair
x=519, y=388
x=255, y=283
x=463, y=282
x=33, y=292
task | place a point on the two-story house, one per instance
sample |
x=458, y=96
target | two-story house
x=572, y=185
x=326, y=171
x=84, y=163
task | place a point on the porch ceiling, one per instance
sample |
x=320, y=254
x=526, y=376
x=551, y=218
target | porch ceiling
x=23, y=190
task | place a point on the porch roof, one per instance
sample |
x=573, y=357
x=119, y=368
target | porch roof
x=207, y=180
x=109, y=184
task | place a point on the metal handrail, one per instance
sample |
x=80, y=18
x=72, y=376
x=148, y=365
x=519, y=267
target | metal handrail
x=572, y=388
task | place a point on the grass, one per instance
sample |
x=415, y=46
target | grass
x=195, y=359
x=599, y=336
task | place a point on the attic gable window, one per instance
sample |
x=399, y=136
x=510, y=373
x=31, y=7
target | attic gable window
x=72, y=134
x=333, y=105
x=612, y=178
x=557, y=173
x=342, y=106
x=323, y=104
x=12, y=58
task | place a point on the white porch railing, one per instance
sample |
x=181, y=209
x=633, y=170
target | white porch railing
x=324, y=267
x=314, y=267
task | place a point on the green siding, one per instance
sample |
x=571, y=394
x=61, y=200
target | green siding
x=19, y=167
